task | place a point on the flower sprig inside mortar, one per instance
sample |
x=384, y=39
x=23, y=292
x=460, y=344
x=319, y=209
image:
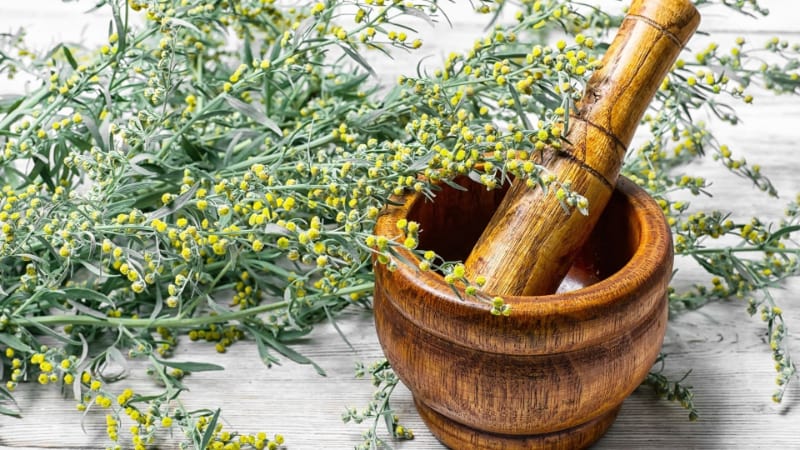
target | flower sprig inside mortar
x=489, y=114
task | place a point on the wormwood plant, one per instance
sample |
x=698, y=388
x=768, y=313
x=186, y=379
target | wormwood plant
x=213, y=172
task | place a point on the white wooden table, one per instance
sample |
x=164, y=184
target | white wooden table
x=726, y=349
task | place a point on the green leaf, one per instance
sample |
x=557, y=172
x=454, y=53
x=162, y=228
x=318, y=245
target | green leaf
x=276, y=51
x=454, y=185
x=113, y=366
x=210, y=429
x=254, y=114
x=47, y=330
x=197, y=152
x=122, y=30
x=189, y=366
x=247, y=50
x=744, y=271
x=97, y=270
x=332, y=320
x=266, y=357
x=14, y=342
x=357, y=58
x=174, y=205
x=145, y=168
x=41, y=169
x=348, y=87
x=10, y=412
x=79, y=141
x=303, y=29
x=776, y=236
x=288, y=352
x=707, y=266
x=76, y=293
x=518, y=107
x=185, y=24
x=388, y=418
x=70, y=58
x=5, y=393
x=8, y=103
x=411, y=11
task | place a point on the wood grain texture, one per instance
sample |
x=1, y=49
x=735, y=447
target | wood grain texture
x=554, y=372
x=725, y=349
x=528, y=246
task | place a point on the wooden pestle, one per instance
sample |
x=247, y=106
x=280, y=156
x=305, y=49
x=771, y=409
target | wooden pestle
x=528, y=246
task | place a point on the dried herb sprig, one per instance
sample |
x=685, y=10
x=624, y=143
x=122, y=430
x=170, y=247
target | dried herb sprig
x=378, y=411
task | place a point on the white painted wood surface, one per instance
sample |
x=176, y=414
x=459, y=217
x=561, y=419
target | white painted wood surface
x=725, y=349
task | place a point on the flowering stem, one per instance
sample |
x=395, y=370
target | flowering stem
x=716, y=251
x=213, y=103
x=324, y=140
x=171, y=322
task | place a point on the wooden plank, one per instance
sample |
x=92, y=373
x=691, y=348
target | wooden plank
x=726, y=350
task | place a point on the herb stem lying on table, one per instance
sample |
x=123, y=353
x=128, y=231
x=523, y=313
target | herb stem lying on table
x=169, y=322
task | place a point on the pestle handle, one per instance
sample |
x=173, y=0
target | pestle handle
x=528, y=246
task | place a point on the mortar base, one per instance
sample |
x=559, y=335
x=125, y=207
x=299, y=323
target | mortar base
x=458, y=436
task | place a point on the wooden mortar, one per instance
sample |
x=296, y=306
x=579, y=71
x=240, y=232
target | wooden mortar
x=529, y=244
x=554, y=373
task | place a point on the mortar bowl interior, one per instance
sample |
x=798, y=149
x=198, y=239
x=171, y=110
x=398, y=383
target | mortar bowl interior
x=453, y=222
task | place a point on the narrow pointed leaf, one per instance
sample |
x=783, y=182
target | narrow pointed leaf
x=210, y=430
x=14, y=342
x=357, y=58
x=189, y=366
x=288, y=352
